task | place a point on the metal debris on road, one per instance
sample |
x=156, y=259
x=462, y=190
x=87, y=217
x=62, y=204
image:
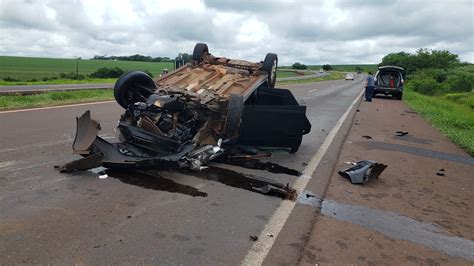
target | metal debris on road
x=85, y=163
x=253, y=238
x=401, y=133
x=248, y=182
x=440, y=172
x=363, y=171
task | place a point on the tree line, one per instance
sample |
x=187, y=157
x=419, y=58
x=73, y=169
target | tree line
x=433, y=72
x=135, y=57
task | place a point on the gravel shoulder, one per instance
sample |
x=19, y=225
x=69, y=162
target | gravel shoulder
x=414, y=213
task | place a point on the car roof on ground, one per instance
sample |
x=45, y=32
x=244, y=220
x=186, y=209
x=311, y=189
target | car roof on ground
x=388, y=67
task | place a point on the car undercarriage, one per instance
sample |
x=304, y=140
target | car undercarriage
x=193, y=115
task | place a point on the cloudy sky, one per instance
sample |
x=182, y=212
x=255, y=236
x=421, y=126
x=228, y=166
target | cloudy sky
x=311, y=32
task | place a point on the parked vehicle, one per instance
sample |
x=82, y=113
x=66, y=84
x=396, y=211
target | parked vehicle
x=389, y=81
x=194, y=114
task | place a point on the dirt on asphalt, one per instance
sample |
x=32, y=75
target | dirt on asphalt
x=428, y=184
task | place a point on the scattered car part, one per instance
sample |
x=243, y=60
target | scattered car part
x=248, y=182
x=440, y=172
x=401, y=133
x=362, y=171
x=252, y=163
x=85, y=163
x=194, y=114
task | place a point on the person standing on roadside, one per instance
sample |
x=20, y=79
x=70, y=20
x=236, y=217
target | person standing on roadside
x=369, y=87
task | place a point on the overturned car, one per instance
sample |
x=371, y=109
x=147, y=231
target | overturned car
x=194, y=114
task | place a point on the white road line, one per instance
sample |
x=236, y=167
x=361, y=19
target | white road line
x=53, y=107
x=313, y=90
x=260, y=249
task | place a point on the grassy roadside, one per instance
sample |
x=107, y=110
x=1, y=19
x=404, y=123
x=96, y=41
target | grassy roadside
x=58, y=82
x=280, y=74
x=285, y=73
x=27, y=68
x=12, y=102
x=452, y=114
x=331, y=76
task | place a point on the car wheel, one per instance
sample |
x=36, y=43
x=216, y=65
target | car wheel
x=234, y=115
x=200, y=49
x=399, y=96
x=270, y=65
x=132, y=87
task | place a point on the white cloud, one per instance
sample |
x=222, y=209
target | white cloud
x=312, y=32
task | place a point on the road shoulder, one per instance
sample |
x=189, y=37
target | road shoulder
x=409, y=190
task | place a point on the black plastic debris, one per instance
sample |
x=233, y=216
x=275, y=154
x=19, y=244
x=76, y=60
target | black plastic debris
x=85, y=163
x=401, y=133
x=253, y=238
x=363, y=171
x=440, y=172
x=367, y=137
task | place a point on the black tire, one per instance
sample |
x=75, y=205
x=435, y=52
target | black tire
x=294, y=149
x=234, y=115
x=399, y=96
x=200, y=49
x=128, y=88
x=270, y=65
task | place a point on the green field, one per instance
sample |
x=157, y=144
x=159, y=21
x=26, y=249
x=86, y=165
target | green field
x=54, y=98
x=284, y=73
x=452, y=114
x=27, y=68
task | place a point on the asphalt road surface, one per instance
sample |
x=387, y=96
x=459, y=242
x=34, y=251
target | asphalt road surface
x=69, y=87
x=170, y=218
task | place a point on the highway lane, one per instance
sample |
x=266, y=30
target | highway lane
x=49, y=217
x=5, y=90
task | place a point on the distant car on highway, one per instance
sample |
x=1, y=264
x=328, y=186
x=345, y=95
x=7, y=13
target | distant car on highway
x=321, y=71
x=389, y=81
x=350, y=76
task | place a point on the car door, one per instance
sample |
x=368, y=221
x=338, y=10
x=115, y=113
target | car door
x=275, y=119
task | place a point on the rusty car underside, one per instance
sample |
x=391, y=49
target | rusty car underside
x=193, y=115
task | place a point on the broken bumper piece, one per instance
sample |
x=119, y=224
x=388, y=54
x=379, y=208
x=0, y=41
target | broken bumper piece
x=99, y=152
x=363, y=171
